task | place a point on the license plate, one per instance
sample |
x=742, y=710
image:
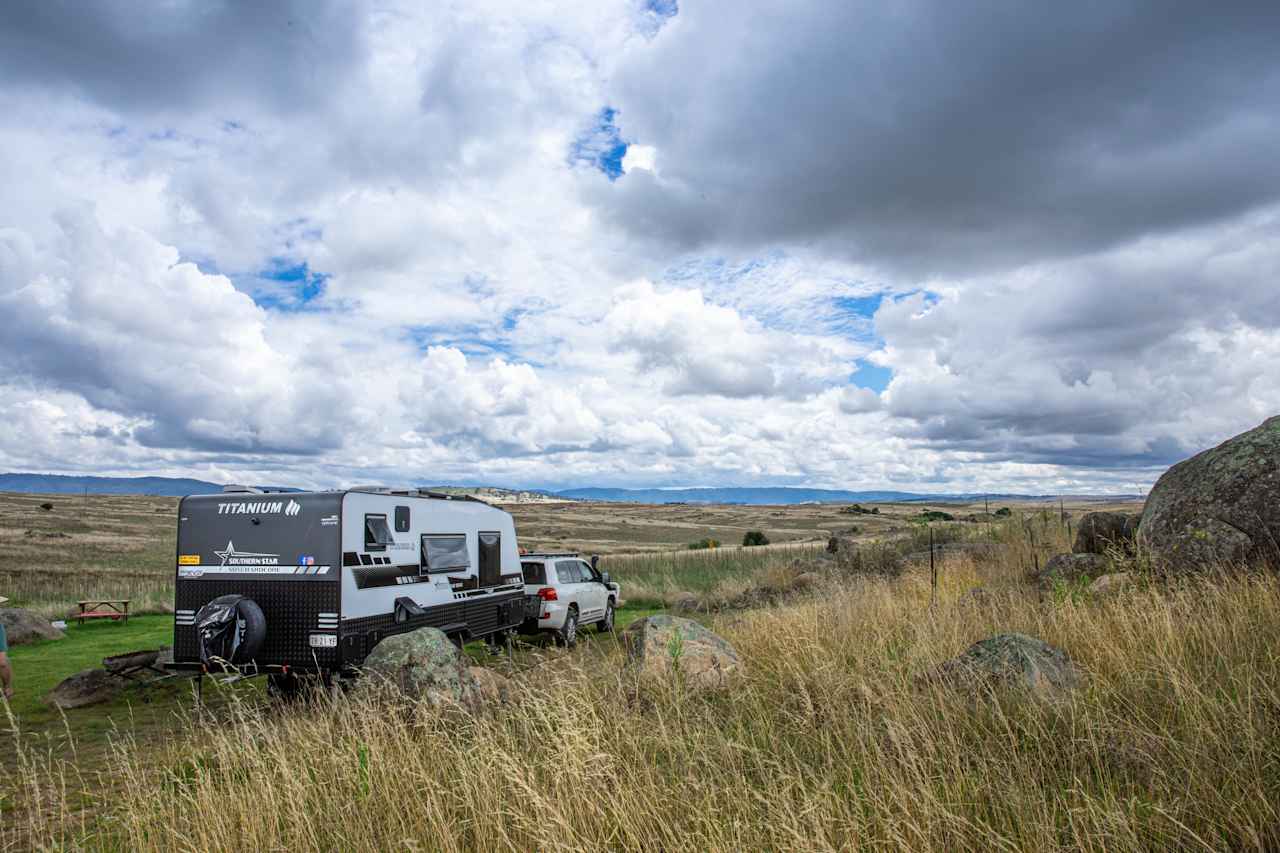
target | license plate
x=324, y=641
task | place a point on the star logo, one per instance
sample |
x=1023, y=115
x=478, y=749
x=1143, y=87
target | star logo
x=234, y=557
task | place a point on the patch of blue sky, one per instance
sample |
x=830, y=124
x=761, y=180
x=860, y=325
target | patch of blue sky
x=871, y=376
x=657, y=13
x=287, y=286
x=601, y=145
x=472, y=340
x=783, y=292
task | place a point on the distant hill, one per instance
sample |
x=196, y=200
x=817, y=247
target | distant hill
x=790, y=495
x=57, y=484
x=499, y=495
x=741, y=495
x=179, y=487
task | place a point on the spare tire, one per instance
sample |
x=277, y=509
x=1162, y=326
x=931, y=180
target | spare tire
x=230, y=630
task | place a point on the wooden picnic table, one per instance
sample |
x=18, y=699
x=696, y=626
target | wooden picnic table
x=104, y=608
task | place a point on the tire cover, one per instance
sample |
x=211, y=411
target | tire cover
x=230, y=631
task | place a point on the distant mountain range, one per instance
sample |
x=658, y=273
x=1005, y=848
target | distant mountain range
x=178, y=487
x=56, y=484
x=782, y=495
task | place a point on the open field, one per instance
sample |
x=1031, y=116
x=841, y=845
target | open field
x=120, y=546
x=833, y=739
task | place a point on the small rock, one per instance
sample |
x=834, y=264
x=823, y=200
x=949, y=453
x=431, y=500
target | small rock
x=422, y=664
x=23, y=626
x=87, y=687
x=1072, y=568
x=805, y=581
x=492, y=687
x=662, y=647
x=1011, y=660
x=1112, y=584
x=1100, y=531
x=685, y=602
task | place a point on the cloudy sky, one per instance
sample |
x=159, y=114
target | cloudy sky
x=931, y=246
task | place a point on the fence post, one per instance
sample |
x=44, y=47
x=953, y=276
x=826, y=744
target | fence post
x=933, y=571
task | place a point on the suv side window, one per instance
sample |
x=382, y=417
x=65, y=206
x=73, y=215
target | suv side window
x=588, y=576
x=567, y=571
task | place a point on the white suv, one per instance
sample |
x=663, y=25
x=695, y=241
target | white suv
x=572, y=594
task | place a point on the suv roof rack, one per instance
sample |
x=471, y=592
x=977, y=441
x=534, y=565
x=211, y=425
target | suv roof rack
x=552, y=554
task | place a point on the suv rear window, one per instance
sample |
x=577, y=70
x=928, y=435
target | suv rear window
x=534, y=572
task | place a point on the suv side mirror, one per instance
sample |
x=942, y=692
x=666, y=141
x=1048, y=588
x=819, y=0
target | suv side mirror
x=604, y=578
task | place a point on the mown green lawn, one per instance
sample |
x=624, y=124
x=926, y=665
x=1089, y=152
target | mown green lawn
x=38, y=667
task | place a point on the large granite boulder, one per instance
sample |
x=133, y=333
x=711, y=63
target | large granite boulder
x=663, y=648
x=422, y=664
x=87, y=687
x=1072, y=569
x=1102, y=531
x=1220, y=509
x=1011, y=660
x=23, y=626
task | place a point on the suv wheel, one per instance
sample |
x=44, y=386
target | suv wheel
x=605, y=625
x=568, y=633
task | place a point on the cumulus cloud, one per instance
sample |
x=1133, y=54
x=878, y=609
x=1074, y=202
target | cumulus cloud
x=1139, y=355
x=120, y=320
x=624, y=243
x=940, y=139
x=711, y=349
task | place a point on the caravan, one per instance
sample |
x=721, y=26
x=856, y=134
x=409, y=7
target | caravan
x=296, y=582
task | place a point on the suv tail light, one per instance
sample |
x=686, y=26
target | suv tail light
x=548, y=593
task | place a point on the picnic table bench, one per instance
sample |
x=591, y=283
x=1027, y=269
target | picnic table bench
x=103, y=608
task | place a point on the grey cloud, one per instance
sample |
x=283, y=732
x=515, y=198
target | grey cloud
x=176, y=56
x=942, y=137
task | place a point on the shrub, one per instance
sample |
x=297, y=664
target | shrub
x=1003, y=512
x=754, y=537
x=702, y=544
x=936, y=515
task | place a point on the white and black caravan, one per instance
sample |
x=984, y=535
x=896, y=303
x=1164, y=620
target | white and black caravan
x=285, y=582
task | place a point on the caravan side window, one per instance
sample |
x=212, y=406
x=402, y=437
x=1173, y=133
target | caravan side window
x=377, y=536
x=444, y=553
x=490, y=558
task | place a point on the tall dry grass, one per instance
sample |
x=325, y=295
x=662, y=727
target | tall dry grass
x=832, y=741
